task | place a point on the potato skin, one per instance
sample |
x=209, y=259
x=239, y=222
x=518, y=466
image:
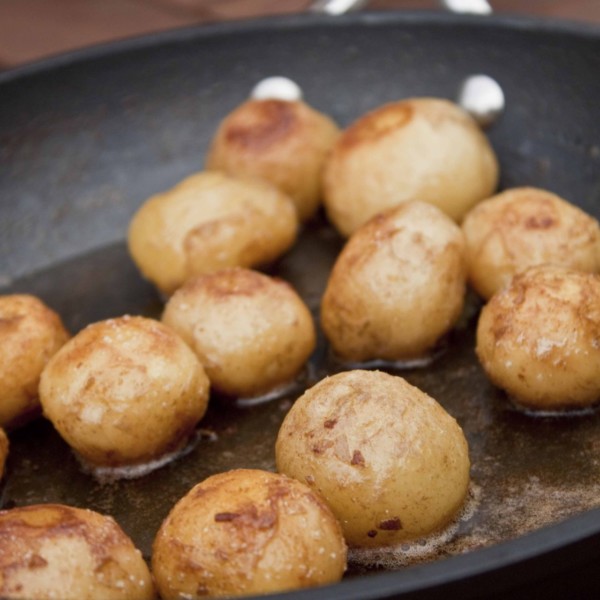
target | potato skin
x=4, y=446
x=124, y=391
x=279, y=141
x=539, y=338
x=247, y=532
x=397, y=286
x=424, y=149
x=251, y=332
x=56, y=551
x=524, y=227
x=30, y=333
x=391, y=463
x=207, y=222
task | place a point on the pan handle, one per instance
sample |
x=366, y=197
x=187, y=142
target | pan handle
x=336, y=7
x=474, y=7
x=480, y=95
x=340, y=7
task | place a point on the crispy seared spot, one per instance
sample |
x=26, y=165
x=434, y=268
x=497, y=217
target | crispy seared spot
x=540, y=222
x=393, y=524
x=35, y=524
x=234, y=281
x=258, y=124
x=321, y=446
x=377, y=124
x=225, y=517
x=358, y=459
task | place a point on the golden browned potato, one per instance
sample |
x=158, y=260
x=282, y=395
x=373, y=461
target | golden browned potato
x=523, y=227
x=539, y=338
x=284, y=142
x=4, y=444
x=251, y=332
x=55, y=551
x=418, y=149
x=207, y=222
x=124, y=391
x=30, y=333
x=391, y=463
x=247, y=532
x=397, y=286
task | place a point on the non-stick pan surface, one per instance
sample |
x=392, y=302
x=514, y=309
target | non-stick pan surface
x=84, y=139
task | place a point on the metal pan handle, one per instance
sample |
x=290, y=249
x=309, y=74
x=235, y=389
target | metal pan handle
x=336, y=7
x=340, y=7
x=474, y=7
x=480, y=95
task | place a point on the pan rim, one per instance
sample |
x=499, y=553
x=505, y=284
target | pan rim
x=484, y=566
x=382, y=18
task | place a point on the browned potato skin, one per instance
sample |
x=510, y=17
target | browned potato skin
x=56, y=551
x=390, y=462
x=251, y=332
x=4, y=445
x=247, y=532
x=30, y=333
x=124, y=391
x=524, y=227
x=280, y=141
x=424, y=149
x=539, y=338
x=397, y=286
x=207, y=222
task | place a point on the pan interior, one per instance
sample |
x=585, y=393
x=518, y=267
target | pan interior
x=526, y=471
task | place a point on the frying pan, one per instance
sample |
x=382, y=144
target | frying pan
x=86, y=137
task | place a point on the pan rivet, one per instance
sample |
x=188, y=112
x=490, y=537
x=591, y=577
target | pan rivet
x=276, y=88
x=482, y=97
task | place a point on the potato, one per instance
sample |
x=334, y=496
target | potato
x=391, y=463
x=539, y=338
x=56, y=551
x=247, y=532
x=397, y=286
x=417, y=149
x=524, y=227
x=207, y=222
x=30, y=333
x=251, y=332
x=4, y=444
x=284, y=142
x=124, y=391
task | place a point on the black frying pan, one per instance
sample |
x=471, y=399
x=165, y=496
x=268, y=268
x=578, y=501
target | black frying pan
x=85, y=138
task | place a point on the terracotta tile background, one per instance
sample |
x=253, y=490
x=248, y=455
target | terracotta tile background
x=33, y=29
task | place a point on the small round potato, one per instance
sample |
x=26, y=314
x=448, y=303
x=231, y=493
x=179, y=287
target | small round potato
x=391, y=463
x=524, y=227
x=207, y=222
x=4, y=444
x=418, y=149
x=56, y=551
x=30, y=333
x=124, y=392
x=247, y=532
x=539, y=338
x=283, y=142
x=397, y=287
x=251, y=332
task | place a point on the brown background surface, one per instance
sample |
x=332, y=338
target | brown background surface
x=33, y=29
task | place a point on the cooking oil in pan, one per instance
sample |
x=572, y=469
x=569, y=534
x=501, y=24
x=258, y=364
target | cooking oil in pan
x=526, y=471
x=106, y=474
x=419, y=550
